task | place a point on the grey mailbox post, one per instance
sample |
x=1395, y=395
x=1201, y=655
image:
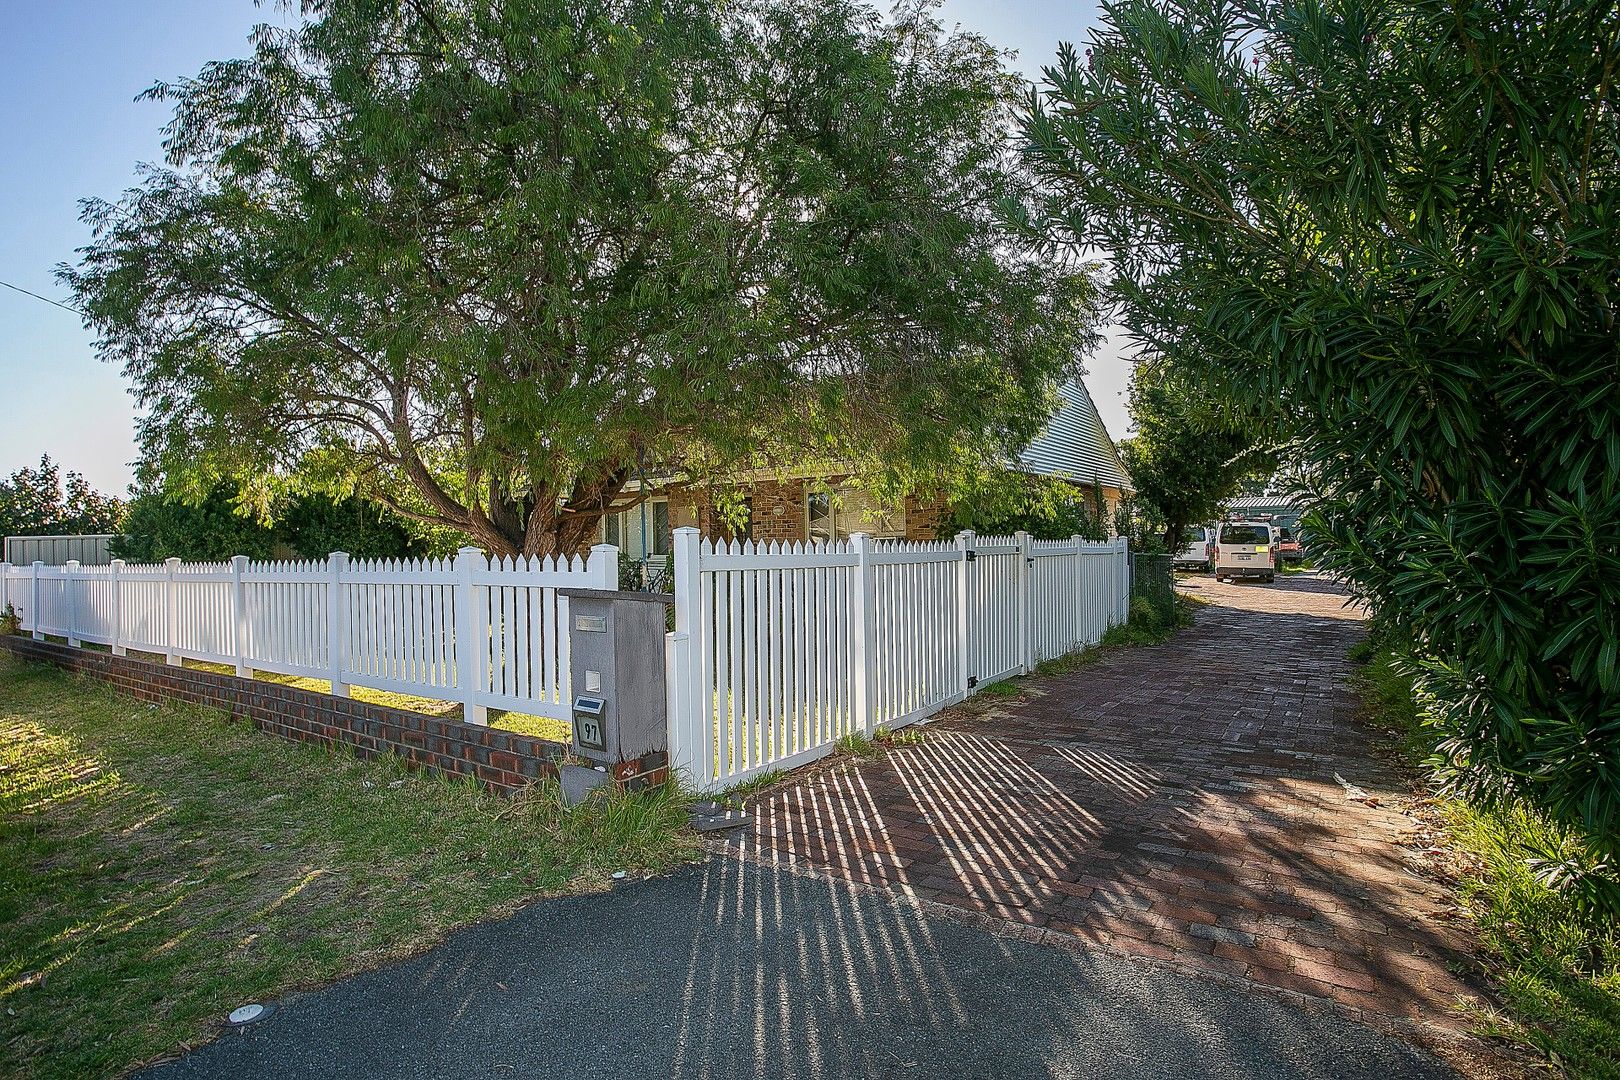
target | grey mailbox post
x=616, y=668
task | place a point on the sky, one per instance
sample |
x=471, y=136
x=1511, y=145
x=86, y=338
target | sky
x=71, y=129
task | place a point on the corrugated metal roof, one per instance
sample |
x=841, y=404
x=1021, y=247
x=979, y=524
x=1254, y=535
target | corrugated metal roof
x=1075, y=445
x=1263, y=502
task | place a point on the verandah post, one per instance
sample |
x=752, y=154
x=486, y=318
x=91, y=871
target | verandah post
x=116, y=637
x=337, y=623
x=864, y=634
x=472, y=638
x=1026, y=610
x=967, y=677
x=691, y=735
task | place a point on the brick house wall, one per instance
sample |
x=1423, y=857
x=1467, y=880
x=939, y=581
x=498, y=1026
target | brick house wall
x=778, y=512
x=779, y=515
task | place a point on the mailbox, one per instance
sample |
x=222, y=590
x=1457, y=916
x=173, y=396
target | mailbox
x=616, y=665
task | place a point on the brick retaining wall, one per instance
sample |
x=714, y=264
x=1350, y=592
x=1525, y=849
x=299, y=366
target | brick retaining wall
x=503, y=760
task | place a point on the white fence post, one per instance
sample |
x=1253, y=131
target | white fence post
x=864, y=634
x=171, y=615
x=239, y=617
x=472, y=638
x=337, y=623
x=70, y=601
x=33, y=602
x=964, y=605
x=116, y=637
x=691, y=738
x=603, y=567
x=1026, y=637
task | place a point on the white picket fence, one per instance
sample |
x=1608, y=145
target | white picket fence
x=778, y=651
x=485, y=634
x=781, y=650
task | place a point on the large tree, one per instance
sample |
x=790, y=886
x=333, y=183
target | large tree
x=489, y=262
x=1191, y=452
x=1396, y=225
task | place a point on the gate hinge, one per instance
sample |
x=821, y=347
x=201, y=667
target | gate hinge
x=971, y=555
x=973, y=680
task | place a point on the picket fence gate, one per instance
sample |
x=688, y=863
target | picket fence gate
x=781, y=650
x=487, y=634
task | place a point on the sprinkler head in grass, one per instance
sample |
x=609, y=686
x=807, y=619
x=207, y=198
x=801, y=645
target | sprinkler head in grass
x=251, y=1013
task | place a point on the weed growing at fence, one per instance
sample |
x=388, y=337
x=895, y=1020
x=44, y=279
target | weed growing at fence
x=10, y=621
x=737, y=792
x=1556, y=966
x=1005, y=688
x=860, y=744
x=160, y=865
x=911, y=736
x=1146, y=626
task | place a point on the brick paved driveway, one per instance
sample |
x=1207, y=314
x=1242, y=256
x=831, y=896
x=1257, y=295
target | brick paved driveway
x=1177, y=802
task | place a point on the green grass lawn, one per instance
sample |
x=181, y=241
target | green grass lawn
x=1555, y=970
x=160, y=865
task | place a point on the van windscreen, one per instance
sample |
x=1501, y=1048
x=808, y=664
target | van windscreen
x=1245, y=534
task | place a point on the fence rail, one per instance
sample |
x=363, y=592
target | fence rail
x=485, y=634
x=780, y=650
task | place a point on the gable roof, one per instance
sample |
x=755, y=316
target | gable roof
x=1075, y=444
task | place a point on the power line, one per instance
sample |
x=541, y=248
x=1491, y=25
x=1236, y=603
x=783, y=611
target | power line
x=36, y=296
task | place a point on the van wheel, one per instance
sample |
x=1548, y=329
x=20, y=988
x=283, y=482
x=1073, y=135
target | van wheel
x=1270, y=578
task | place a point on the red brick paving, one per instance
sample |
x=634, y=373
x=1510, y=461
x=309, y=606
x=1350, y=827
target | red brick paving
x=1176, y=802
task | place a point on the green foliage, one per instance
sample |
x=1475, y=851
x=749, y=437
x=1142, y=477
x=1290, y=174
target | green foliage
x=860, y=744
x=10, y=621
x=1002, y=502
x=161, y=526
x=1393, y=227
x=487, y=261
x=1191, y=451
x=1153, y=581
x=36, y=502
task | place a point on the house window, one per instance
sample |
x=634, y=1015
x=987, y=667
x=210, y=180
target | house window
x=837, y=515
x=818, y=516
x=627, y=528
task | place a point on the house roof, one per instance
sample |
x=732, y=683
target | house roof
x=1271, y=503
x=1075, y=444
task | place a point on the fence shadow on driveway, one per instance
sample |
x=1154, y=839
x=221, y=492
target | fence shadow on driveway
x=1208, y=802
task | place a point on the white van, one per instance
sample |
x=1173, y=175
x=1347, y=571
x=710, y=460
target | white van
x=1245, y=549
x=1200, y=550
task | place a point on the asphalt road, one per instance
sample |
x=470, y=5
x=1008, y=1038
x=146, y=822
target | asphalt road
x=728, y=969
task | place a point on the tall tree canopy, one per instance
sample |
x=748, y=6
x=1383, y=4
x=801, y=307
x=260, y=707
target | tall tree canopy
x=38, y=502
x=487, y=261
x=1191, y=452
x=1396, y=224
x=161, y=525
